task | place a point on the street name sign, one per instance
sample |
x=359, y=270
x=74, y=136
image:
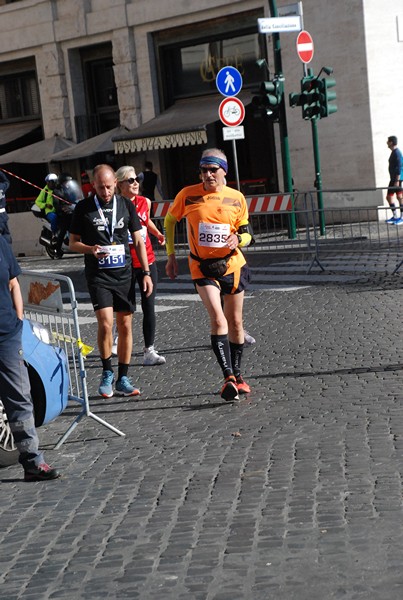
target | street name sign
x=305, y=47
x=279, y=24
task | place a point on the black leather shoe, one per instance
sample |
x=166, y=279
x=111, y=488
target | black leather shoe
x=42, y=472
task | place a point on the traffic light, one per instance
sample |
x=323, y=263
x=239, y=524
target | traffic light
x=268, y=98
x=310, y=97
x=325, y=97
x=295, y=99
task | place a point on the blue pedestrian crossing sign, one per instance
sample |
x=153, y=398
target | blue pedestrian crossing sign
x=229, y=81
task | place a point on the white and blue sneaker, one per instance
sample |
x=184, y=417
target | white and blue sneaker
x=124, y=387
x=398, y=221
x=105, y=388
x=391, y=220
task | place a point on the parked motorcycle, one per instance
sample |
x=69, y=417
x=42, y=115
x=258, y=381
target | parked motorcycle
x=67, y=193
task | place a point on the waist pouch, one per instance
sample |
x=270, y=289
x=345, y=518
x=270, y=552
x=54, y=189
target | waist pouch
x=213, y=267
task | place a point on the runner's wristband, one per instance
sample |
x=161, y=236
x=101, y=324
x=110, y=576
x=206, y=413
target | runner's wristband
x=146, y=273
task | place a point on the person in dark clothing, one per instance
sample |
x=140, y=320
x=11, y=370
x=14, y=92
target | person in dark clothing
x=14, y=379
x=149, y=181
x=69, y=193
x=395, y=183
x=4, y=185
x=99, y=230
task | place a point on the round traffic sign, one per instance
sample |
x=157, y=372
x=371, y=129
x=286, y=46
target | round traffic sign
x=305, y=46
x=231, y=112
x=229, y=81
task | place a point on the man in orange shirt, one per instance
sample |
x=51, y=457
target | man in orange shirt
x=217, y=226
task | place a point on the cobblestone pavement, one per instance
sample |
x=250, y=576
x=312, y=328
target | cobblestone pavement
x=295, y=492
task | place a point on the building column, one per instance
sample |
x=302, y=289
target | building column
x=50, y=68
x=126, y=77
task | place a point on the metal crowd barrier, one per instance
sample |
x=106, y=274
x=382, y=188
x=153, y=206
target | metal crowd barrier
x=355, y=229
x=50, y=300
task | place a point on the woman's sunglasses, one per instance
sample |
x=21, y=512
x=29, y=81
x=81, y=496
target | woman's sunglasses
x=132, y=180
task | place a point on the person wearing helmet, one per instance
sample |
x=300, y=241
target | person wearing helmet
x=45, y=201
x=69, y=193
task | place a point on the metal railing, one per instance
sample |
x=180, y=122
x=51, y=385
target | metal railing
x=347, y=229
x=51, y=301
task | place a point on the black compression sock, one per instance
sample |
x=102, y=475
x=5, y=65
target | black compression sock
x=221, y=349
x=236, y=357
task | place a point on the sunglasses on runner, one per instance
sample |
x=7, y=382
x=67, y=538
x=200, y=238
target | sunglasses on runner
x=209, y=169
x=132, y=180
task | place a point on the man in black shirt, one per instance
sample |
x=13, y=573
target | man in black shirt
x=149, y=181
x=100, y=230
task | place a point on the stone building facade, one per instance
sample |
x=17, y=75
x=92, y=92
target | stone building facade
x=147, y=65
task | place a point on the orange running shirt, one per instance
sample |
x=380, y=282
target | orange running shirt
x=211, y=217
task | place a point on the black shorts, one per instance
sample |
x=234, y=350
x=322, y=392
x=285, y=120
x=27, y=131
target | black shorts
x=103, y=296
x=234, y=283
x=393, y=189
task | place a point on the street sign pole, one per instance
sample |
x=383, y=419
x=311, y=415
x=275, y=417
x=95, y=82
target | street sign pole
x=233, y=134
x=285, y=148
x=318, y=175
x=304, y=37
x=231, y=110
x=318, y=170
x=238, y=185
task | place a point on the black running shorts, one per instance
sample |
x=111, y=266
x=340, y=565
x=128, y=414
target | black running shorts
x=234, y=283
x=116, y=296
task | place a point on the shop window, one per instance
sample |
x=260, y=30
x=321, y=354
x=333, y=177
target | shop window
x=102, y=110
x=19, y=97
x=193, y=69
x=189, y=65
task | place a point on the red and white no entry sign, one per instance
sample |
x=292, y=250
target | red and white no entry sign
x=231, y=111
x=305, y=46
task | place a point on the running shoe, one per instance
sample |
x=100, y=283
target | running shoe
x=243, y=387
x=398, y=221
x=124, y=387
x=151, y=357
x=105, y=388
x=392, y=220
x=248, y=339
x=229, y=390
x=42, y=472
